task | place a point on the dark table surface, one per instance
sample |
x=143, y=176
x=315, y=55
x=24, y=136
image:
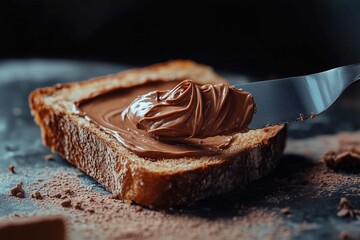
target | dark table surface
x=20, y=145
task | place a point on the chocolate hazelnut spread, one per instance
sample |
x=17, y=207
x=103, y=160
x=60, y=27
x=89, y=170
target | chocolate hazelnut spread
x=172, y=119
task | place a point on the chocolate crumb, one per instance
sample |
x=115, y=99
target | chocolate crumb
x=91, y=211
x=78, y=206
x=344, y=236
x=58, y=195
x=18, y=191
x=345, y=209
x=302, y=117
x=343, y=212
x=313, y=115
x=66, y=203
x=285, y=211
x=346, y=158
x=48, y=157
x=37, y=195
x=344, y=203
x=138, y=208
x=12, y=168
x=69, y=192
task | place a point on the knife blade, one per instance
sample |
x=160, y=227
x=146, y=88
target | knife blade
x=298, y=98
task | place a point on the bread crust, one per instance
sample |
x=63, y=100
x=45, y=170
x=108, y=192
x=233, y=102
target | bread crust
x=130, y=177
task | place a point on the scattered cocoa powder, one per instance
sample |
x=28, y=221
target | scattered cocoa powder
x=12, y=168
x=303, y=166
x=102, y=215
x=105, y=215
x=18, y=191
x=48, y=157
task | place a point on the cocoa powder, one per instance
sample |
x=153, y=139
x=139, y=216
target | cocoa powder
x=112, y=218
x=96, y=214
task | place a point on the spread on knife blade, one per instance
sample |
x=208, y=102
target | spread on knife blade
x=172, y=119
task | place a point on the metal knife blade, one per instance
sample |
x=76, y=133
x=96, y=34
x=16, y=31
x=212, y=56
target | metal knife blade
x=298, y=98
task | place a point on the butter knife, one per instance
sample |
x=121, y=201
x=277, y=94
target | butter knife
x=298, y=98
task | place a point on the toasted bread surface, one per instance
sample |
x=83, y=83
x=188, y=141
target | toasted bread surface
x=157, y=183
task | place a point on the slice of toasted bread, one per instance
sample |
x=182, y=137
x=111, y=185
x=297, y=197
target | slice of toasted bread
x=160, y=183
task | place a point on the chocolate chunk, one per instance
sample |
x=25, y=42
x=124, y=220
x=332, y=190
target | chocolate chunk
x=66, y=203
x=344, y=235
x=91, y=211
x=343, y=212
x=69, y=192
x=37, y=195
x=346, y=158
x=345, y=209
x=12, y=168
x=344, y=203
x=58, y=195
x=78, y=206
x=18, y=191
x=39, y=228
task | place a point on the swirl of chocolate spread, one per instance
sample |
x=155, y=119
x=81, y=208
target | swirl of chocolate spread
x=192, y=111
x=187, y=120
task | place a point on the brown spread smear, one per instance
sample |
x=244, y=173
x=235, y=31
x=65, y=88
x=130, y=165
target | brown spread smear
x=172, y=119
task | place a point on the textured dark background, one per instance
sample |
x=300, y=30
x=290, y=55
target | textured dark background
x=264, y=39
x=261, y=38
